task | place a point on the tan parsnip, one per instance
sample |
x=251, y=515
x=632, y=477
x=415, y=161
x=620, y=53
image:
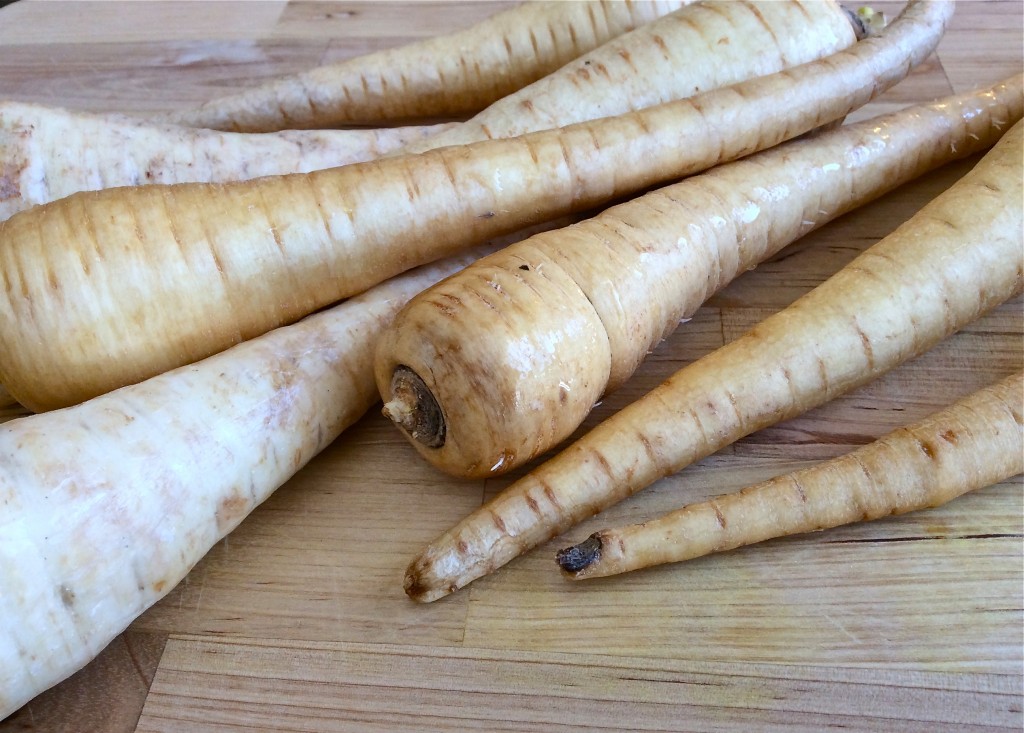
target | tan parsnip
x=959, y=256
x=972, y=444
x=107, y=288
x=701, y=46
x=105, y=506
x=47, y=153
x=450, y=75
x=498, y=364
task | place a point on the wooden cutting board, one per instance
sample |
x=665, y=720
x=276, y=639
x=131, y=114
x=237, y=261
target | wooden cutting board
x=297, y=621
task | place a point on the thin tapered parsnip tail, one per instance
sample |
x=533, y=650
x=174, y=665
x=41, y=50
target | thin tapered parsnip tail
x=173, y=463
x=699, y=47
x=47, y=153
x=974, y=443
x=107, y=288
x=582, y=307
x=444, y=76
x=958, y=257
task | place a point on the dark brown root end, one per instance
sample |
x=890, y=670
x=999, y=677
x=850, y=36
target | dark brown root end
x=413, y=408
x=414, y=588
x=579, y=557
x=418, y=586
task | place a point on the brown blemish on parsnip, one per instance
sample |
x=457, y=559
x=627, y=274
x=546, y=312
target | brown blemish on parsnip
x=499, y=522
x=67, y=597
x=231, y=510
x=9, y=177
x=719, y=517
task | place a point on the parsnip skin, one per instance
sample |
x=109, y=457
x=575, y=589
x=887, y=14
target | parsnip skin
x=105, y=506
x=515, y=350
x=48, y=153
x=444, y=76
x=970, y=445
x=107, y=288
x=959, y=256
x=699, y=47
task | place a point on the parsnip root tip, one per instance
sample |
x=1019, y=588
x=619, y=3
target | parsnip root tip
x=413, y=589
x=413, y=408
x=422, y=591
x=577, y=558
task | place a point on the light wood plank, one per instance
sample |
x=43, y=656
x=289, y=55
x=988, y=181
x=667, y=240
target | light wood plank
x=384, y=23
x=127, y=21
x=145, y=78
x=105, y=696
x=894, y=593
x=212, y=685
x=983, y=42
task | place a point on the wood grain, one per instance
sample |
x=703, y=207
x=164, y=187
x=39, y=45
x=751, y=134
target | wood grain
x=378, y=687
x=297, y=621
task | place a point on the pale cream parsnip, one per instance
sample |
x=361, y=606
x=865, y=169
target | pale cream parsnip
x=449, y=75
x=105, y=506
x=47, y=153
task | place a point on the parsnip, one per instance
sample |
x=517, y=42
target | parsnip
x=959, y=256
x=105, y=506
x=48, y=153
x=702, y=46
x=972, y=444
x=449, y=75
x=498, y=364
x=106, y=288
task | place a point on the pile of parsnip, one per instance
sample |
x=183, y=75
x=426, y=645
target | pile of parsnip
x=198, y=311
